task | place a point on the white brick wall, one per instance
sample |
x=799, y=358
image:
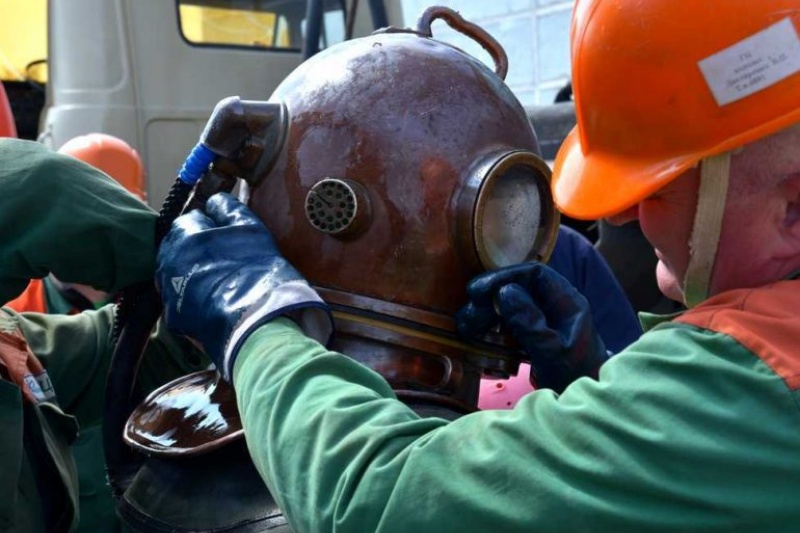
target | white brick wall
x=534, y=33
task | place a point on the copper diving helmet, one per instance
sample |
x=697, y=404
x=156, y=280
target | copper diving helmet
x=408, y=167
x=398, y=168
x=401, y=168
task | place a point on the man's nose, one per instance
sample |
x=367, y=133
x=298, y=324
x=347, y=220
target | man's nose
x=629, y=215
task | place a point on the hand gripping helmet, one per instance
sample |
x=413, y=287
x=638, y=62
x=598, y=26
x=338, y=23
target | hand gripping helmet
x=407, y=168
x=113, y=156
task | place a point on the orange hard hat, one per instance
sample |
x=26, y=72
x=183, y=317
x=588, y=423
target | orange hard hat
x=112, y=155
x=662, y=84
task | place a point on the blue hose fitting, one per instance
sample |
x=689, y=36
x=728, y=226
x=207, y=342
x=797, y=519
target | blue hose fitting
x=196, y=164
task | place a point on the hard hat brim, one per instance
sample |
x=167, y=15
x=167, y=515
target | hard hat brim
x=596, y=185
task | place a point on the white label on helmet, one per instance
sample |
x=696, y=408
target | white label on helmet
x=753, y=64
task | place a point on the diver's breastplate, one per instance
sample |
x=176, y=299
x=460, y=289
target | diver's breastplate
x=214, y=492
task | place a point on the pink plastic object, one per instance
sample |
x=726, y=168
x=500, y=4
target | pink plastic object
x=505, y=393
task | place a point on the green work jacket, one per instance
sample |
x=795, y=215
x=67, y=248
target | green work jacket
x=59, y=215
x=52, y=453
x=694, y=427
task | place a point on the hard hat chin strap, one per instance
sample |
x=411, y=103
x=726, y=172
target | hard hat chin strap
x=714, y=176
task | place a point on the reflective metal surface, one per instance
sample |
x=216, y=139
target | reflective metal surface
x=419, y=125
x=193, y=414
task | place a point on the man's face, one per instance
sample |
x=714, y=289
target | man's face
x=666, y=219
x=748, y=253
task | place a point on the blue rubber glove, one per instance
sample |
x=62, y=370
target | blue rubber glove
x=544, y=313
x=221, y=276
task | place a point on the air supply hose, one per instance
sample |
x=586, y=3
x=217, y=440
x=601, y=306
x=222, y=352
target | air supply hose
x=241, y=139
x=137, y=313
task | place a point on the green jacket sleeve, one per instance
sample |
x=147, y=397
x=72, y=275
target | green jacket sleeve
x=63, y=216
x=663, y=441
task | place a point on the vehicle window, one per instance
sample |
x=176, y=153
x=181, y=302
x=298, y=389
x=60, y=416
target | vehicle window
x=275, y=24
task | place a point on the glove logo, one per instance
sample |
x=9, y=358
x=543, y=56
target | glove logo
x=179, y=284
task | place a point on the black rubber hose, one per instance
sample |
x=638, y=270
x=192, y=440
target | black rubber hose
x=137, y=313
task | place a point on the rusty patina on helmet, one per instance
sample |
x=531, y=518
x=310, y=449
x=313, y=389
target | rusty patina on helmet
x=399, y=151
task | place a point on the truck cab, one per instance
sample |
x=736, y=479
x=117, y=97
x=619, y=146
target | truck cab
x=150, y=71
